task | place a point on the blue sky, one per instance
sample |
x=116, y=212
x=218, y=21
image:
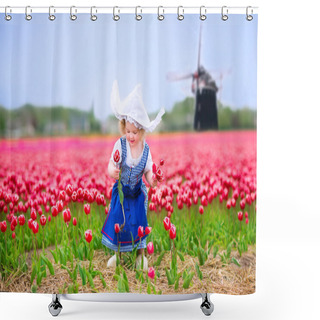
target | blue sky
x=74, y=63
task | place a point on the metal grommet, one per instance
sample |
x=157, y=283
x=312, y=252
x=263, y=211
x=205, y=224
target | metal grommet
x=28, y=16
x=224, y=16
x=7, y=16
x=249, y=17
x=93, y=16
x=160, y=16
x=180, y=16
x=203, y=15
x=51, y=16
x=116, y=17
x=138, y=16
x=73, y=17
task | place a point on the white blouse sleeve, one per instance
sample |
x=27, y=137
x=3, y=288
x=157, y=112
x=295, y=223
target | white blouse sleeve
x=149, y=163
x=117, y=146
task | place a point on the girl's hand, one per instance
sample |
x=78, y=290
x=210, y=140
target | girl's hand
x=113, y=171
x=151, y=180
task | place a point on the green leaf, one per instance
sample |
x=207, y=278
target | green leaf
x=49, y=264
x=83, y=276
x=34, y=272
x=169, y=277
x=66, y=268
x=180, y=255
x=55, y=256
x=176, y=285
x=235, y=261
x=215, y=251
x=186, y=282
x=102, y=280
x=199, y=273
x=90, y=279
x=157, y=263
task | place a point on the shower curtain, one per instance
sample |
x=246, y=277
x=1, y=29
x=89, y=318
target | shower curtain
x=166, y=107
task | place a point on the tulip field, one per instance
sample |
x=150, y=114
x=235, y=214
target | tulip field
x=54, y=198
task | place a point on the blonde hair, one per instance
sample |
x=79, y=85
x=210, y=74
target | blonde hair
x=122, y=128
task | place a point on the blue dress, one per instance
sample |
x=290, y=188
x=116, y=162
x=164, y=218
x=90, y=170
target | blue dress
x=135, y=206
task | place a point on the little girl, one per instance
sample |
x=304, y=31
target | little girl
x=135, y=160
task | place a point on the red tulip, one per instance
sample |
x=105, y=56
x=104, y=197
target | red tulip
x=88, y=235
x=43, y=220
x=33, y=214
x=87, y=208
x=159, y=175
x=3, y=226
x=69, y=190
x=62, y=195
x=166, y=223
x=66, y=215
x=201, y=210
x=247, y=220
x=140, y=232
x=172, y=232
x=54, y=211
x=204, y=201
x=154, y=168
x=150, y=248
x=74, y=196
x=116, y=156
x=242, y=204
x=148, y=230
x=74, y=221
x=49, y=218
x=106, y=210
x=59, y=205
x=151, y=273
x=161, y=162
x=30, y=223
x=22, y=219
x=117, y=228
x=14, y=221
x=13, y=235
x=240, y=215
x=35, y=227
x=246, y=214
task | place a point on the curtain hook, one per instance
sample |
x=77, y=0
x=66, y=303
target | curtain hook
x=203, y=15
x=224, y=17
x=28, y=16
x=93, y=16
x=115, y=17
x=7, y=16
x=249, y=17
x=180, y=16
x=160, y=16
x=51, y=16
x=138, y=16
x=73, y=17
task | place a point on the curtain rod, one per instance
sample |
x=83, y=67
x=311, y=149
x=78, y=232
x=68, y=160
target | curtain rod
x=128, y=9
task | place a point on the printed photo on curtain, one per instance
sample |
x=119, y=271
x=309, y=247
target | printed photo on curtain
x=128, y=154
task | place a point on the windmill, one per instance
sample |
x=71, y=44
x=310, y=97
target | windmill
x=205, y=90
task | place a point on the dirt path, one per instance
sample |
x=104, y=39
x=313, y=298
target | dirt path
x=229, y=279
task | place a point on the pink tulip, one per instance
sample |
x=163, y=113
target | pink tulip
x=172, y=232
x=150, y=248
x=88, y=235
x=140, y=232
x=87, y=208
x=151, y=273
x=166, y=223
